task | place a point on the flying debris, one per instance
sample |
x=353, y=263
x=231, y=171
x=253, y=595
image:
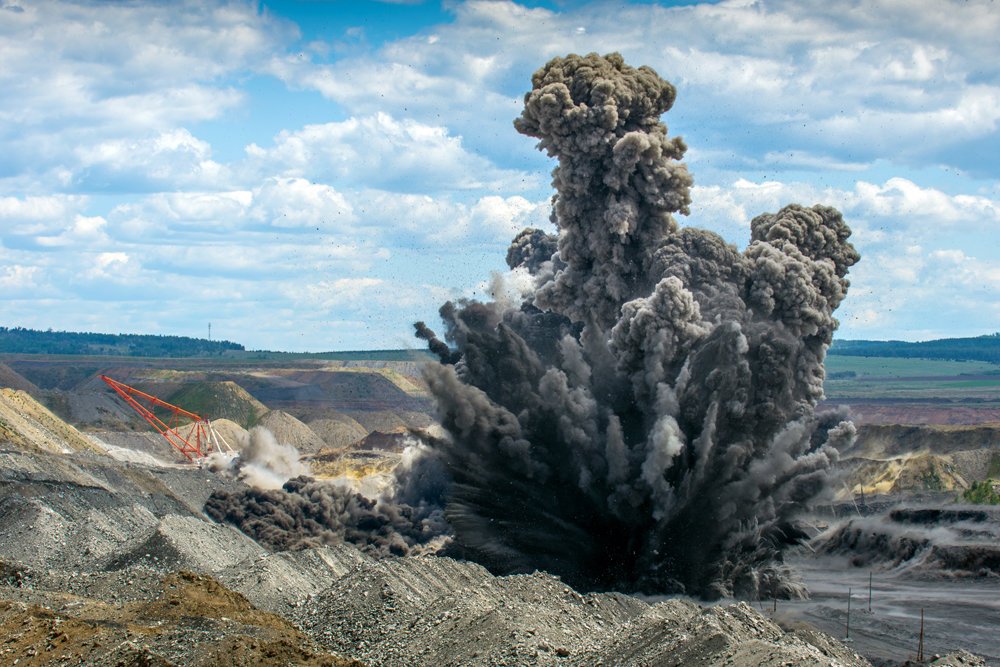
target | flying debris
x=644, y=420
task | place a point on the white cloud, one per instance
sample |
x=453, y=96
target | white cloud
x=99, y=77
x=434, y=220
x=902, y=198
x=379, y=151
x=83, y=231
x=18, y=277
x=170, y=159
x=113, y=266
x=295, y=202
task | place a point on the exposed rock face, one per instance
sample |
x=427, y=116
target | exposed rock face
x=27, y=424
x=896, y=439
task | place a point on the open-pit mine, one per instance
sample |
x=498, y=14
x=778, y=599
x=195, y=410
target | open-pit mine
x=625, y=463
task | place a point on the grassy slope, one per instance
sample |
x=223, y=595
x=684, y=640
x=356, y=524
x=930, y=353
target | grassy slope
x=917, y=379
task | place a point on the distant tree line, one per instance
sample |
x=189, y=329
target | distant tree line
x=19, y=340
x=980, y=348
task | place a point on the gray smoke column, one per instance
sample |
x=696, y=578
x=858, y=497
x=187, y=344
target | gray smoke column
x=644, y=421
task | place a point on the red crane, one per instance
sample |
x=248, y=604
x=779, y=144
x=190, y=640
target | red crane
x=201, y=438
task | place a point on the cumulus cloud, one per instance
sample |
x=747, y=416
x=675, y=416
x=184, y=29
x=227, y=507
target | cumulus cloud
x=168, y=160
x=382, y=152
x=112, y=100
x=18, y=277
x=38, y=214
x=296, y=202
x=855, y=89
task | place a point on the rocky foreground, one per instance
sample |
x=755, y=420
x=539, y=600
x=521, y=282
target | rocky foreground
x=112, y=562
x=109, y=562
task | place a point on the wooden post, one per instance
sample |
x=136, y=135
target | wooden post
x=848, y=634
x=920, y=643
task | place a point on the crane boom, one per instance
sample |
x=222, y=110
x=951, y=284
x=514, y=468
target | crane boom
x=201, y=436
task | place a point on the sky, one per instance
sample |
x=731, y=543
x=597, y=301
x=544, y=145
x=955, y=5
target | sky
x=316, y=175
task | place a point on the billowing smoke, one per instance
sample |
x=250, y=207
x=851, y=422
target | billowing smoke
x=644, y=420
x=406, y=519
x=262, y=462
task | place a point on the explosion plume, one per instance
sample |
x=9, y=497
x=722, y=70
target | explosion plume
x=645, y=419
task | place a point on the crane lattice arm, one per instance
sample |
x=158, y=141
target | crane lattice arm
x=201, y=436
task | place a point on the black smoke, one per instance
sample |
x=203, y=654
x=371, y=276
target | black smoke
x=644, y=421
x=304, y=512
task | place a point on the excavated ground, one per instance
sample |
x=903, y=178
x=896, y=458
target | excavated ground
x=107, y=558
x=112, y=562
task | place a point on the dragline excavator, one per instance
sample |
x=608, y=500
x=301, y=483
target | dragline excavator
x=201, y=439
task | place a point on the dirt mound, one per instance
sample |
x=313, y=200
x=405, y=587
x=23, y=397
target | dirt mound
x=39, y=628
x=219, y=400
x=437, y=611
x=86, y=513
x=231, y=432
x=288, y=430
x=977, y=464
x=385, y=421
x=13, y=380
x=27, y=424
x=146, y=441
x=338, y=431
x=384, y=442
x=959, y=659
x=187, y=542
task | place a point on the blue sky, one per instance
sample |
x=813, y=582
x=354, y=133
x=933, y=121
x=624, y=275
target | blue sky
x=316, y=175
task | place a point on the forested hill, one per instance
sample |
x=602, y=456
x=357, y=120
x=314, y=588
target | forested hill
x=980, y=348
x=18, y=340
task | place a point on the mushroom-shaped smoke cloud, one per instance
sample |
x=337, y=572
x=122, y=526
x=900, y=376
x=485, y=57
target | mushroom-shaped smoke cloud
x=645, y=419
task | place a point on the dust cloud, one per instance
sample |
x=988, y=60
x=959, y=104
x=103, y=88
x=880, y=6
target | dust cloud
x=644, y=420
x=262, y=462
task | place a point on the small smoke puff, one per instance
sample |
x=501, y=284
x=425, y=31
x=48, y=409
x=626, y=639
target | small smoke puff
x=262, y=462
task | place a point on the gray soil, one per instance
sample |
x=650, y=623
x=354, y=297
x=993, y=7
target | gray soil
x=91, y=526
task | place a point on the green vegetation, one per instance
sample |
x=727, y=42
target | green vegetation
x=982, y=493
x=18, y=340
x=845, y=367
x=930, y=479
x=912, y=379
x=217, y=400
x=351, y=355
x=980, y=348
x=993, y=472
